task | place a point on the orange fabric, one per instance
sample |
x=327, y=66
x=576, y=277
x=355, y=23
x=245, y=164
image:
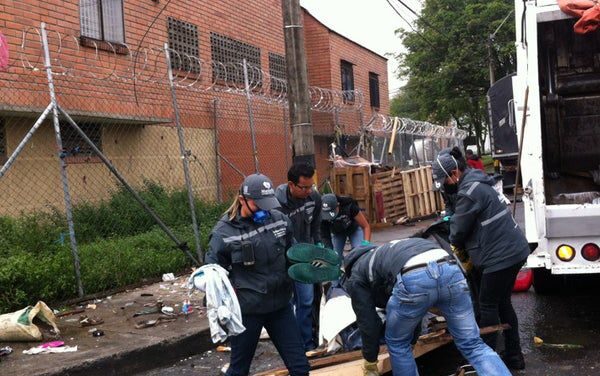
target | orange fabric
x=588, y=12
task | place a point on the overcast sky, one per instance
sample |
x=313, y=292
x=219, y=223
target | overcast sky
x=370, y=23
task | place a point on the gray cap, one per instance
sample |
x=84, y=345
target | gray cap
x=328, y=206
x=260, y=188
x=442, y=167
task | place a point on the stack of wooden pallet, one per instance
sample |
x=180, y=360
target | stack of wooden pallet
x=390, y=196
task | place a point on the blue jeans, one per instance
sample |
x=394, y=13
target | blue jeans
x=303, y=300
x=284, y=334
x=339, y=241
x=445, y=287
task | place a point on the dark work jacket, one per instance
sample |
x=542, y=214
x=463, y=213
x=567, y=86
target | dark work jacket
x=372, y=275
x=305, y=214
x=265, y=286
x=483, y=225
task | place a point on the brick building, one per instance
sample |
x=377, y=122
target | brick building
x=110, y=77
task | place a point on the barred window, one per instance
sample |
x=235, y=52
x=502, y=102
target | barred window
x=74, y=145
x=102, y=20
x=347, y=80
x=277, y=70
x=183, y=41
x=230, y=53
x=374, y=89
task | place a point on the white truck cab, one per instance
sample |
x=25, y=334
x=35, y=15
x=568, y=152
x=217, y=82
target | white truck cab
x=561, y=142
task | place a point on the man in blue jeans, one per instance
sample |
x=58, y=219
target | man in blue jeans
x=407, y=277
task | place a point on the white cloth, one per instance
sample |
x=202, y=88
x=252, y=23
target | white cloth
x=50, y=350
x=223, y=309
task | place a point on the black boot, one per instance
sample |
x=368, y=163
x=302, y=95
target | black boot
x=514, y=361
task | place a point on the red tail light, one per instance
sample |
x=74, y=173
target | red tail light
x=590, y=252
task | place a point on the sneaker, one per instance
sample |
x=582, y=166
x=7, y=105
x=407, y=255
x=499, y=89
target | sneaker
x=307, y=253
x=314, y=273
x=514, y=361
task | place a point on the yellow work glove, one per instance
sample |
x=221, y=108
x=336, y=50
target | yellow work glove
x=370, y=368
x=463, y=256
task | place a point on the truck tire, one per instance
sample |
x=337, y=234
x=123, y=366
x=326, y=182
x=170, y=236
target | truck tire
x=544, y=283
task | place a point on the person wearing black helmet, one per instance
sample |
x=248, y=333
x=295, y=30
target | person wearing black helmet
x=483, y=226
x=250, y=241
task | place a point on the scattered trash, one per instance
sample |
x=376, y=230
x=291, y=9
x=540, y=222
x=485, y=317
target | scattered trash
x=128, y=304
x=4, y=351
x=98, y=333
x=163, y=287
x=90, y=321
x=50, y=350
x=146, y=294
x=186, y=307
x=154, y=308
x=540, y=342
x=223, y=349
x=92, y=330
x=51, y=344
x=167, y=310
x=168, y=277
x=91, y=306
x=150, y=323
x=18, y=326
x=70, y=312
x=225, y=368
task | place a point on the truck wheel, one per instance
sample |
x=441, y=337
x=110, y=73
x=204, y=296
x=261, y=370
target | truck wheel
x=544, y=283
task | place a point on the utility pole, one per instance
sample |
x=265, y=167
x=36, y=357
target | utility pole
x=491, y=59
x=303, y=150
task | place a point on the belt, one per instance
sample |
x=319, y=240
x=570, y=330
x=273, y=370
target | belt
x=447, y=259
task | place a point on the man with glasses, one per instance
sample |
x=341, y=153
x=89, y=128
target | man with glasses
x=302, y=204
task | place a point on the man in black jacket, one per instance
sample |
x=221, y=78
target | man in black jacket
x=302, y=204
x=407, y=277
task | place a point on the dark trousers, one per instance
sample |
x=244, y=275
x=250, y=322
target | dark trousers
x=282, y=328
x=495, y=307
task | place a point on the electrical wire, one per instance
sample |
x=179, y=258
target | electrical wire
x=137, y=51
x=410, y=24
x=420, y=17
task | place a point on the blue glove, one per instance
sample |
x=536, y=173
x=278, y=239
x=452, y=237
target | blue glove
x=320, y=245
x=446, y=218
x=365, y=242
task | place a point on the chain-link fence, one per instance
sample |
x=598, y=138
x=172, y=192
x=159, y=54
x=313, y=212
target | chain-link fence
x=106, y=142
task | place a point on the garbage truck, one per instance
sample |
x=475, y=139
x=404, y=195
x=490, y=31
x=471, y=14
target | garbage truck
x=558, y=76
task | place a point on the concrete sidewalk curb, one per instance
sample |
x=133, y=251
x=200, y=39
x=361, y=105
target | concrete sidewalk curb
x=142, y=358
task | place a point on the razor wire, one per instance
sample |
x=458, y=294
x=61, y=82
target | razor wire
x=415, y=143
x=146, y=65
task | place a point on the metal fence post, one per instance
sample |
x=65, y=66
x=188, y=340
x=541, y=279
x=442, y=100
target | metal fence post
x=184, y=155
x=217, y=151
x=63, y=165
x=251, y=117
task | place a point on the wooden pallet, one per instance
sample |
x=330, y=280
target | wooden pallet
x=421, y=199
x=388, y=197
x=350, y=363
x=354, y=182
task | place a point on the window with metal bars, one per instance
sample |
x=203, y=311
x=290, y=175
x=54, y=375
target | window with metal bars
x=374, y=89
x=102, y=20
x=74, y=146
x=183, y=42
x=277, y=71
x=228, y=55
x=347, y=69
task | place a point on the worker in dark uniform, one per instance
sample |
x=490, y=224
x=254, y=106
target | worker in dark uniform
x=250, y=241
x=302, y=204
x=407, y=277
x=483, y=226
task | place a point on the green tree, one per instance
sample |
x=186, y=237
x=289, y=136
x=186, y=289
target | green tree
x=447, y=59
